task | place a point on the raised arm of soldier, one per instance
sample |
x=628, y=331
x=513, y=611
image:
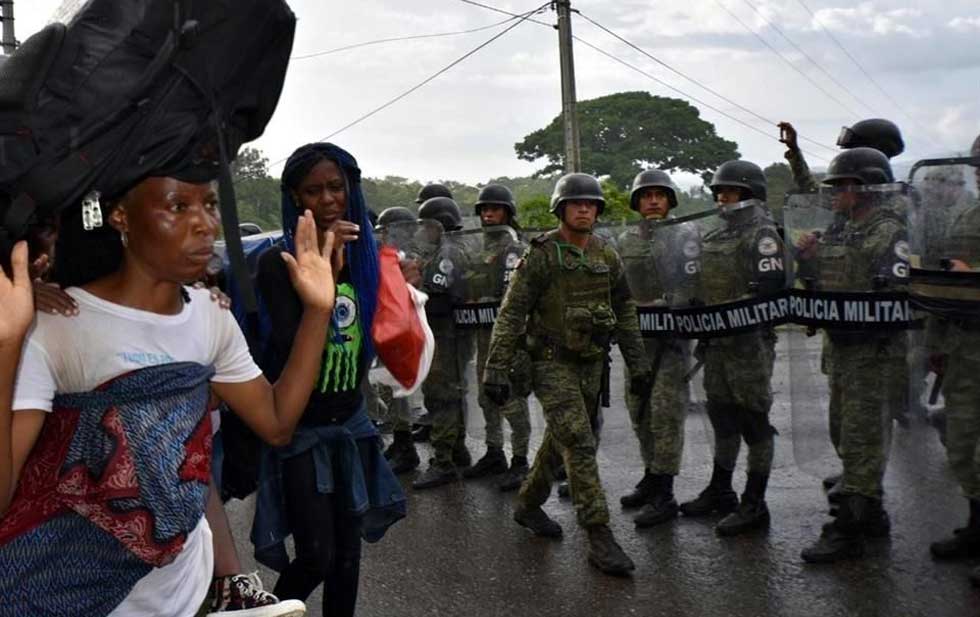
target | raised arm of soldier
x=801, y=171
x=510, y=327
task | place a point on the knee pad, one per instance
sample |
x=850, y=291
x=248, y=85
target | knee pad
x=754, y=426
x=724, y=419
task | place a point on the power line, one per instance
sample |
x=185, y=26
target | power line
x=520, y=19
x=869, y=76
x=807, y=56
x=649, y=76
x=694, y=81
x=787, y=60
x=400, y=38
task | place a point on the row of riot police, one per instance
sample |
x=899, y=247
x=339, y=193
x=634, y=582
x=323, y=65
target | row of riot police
x=865, y=279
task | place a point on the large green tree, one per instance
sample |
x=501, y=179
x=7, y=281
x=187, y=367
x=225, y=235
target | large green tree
x=624, y=133
x=256, y=192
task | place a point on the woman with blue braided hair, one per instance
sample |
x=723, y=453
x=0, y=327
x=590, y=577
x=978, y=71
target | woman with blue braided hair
x=331, y=485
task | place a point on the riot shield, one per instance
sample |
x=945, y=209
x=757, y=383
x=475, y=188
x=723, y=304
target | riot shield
x=491, y=255
x=944, y=284
x=417, y=241
x=731, y=313
x=847, y=251
x=661, y=260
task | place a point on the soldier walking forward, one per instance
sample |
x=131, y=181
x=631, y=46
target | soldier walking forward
x=566, y=300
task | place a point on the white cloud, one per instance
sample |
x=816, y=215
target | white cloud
x=867, y=19
x=964, y=24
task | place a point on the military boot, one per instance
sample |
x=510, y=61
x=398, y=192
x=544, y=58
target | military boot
x=405, y=458
x=564, y=490
x=662, y=506
x=493, y=463
x=422, y=433
x=830, y=481
x=397, y=444
x=461, y=454
x=842, y=538
x=436, y=475
x=717, y=497
x=606, y=554
x=514, y=478
x=537, y=521
x=641, y=493
x=752, y=512
x=964, y=543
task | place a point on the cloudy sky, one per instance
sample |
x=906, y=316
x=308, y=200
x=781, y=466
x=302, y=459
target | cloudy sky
x=923, y=54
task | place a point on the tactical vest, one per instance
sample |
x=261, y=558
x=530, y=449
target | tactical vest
x=641, y=257
x=575, y=311
x=844, y=264
x=725, y=275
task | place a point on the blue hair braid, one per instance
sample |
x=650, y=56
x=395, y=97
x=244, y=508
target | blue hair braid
x=361, y=255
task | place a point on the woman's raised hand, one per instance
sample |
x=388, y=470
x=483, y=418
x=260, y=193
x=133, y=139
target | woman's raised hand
x=16, y=299
x=310, y=269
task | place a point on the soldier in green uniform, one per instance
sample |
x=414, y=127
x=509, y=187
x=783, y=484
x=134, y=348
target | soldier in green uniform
x=955, y=343
x=659, y=267
x=870, y=253
x=742, y=258
x=566, y=300
x=491, y=272
x=885, y=136
x=401, y=454
x=444, y=389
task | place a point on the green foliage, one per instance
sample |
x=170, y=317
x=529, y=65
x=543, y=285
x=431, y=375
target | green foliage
x=256, y=192
x=779, y=179
x=623, y=133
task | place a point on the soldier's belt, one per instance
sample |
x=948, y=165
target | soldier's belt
x=553, y=352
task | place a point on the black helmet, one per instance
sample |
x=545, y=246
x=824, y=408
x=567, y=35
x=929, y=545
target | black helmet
x=577, y=186
x=742, y=174
x=396, y=214
x=652, y=178
x=433, y=190
x=875, y=133
x=496, y=195
x=866, y=165
x=444, y=210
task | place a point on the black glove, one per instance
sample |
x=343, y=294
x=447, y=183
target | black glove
x=498, y=393
x=641, y=385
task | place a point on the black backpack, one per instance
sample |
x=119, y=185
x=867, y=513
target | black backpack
x=128, y=88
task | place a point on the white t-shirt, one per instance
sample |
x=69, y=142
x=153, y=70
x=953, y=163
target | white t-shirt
x=105, y=340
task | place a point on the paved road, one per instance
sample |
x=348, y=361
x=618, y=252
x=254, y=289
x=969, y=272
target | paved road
x=459, y=552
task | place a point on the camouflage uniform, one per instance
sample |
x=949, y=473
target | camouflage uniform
x=801, y=172
x=738, y=369
x=486, y=281
x=865, y=367
x=569, y=302
x=659, y=421
x=444, y=389
x=961, y=386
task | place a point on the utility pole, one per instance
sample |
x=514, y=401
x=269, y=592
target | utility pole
x=573, y=156
x=9, y=41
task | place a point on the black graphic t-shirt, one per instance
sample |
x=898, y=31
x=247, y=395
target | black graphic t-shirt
x=337, y=393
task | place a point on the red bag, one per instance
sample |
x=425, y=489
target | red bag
x=401, y=334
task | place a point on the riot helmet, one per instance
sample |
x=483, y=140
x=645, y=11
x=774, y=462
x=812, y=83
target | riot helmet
x=743, y=175
x=433, y=190
x=444, y=210
x=880, y=134
x=652, y=178
x=863, y=165
x=395, y=214
x=577, y=186
x=496, y=195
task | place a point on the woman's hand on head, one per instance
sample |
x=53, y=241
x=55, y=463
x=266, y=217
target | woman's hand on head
x=310, y=269
x=17, y=299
